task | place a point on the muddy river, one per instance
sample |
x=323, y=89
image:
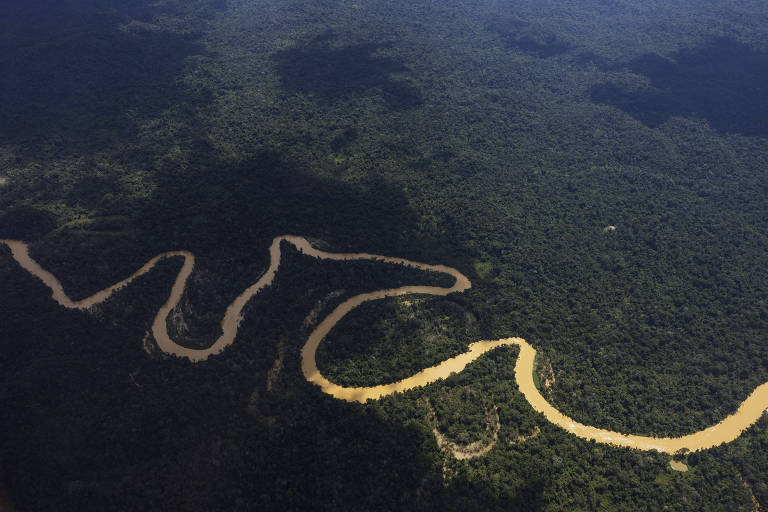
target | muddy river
x=726, y=430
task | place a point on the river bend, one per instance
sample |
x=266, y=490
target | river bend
x=726, y=430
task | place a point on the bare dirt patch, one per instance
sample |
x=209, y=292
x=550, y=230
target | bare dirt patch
x=678, y=466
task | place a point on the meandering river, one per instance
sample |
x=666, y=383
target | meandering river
x=726, y=430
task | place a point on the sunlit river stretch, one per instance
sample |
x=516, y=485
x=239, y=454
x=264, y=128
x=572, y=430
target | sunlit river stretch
x=726, y=430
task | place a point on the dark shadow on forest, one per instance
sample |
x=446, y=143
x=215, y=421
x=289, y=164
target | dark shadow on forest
x=248, y=204
x=549, y=46
x=222, y=212
x=332, y=72
x=78, y=70
x=723, y=82
x=530, y=40
x=26, y=223
x=101, y=443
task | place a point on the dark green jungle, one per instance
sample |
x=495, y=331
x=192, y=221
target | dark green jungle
x=501, y=137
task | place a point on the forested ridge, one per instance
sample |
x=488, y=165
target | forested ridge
x=500, y=139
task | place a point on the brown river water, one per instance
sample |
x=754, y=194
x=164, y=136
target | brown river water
x=726, y=430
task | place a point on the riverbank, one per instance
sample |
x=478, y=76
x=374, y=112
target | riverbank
x=724, y=431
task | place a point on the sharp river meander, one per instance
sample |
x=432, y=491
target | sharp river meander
x=726, y=430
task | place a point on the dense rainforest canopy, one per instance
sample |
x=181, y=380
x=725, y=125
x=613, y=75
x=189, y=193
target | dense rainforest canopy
x=501, y=138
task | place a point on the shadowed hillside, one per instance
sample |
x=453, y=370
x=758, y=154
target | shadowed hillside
x=724, y=82
x=99, y=68
x=331, y=72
